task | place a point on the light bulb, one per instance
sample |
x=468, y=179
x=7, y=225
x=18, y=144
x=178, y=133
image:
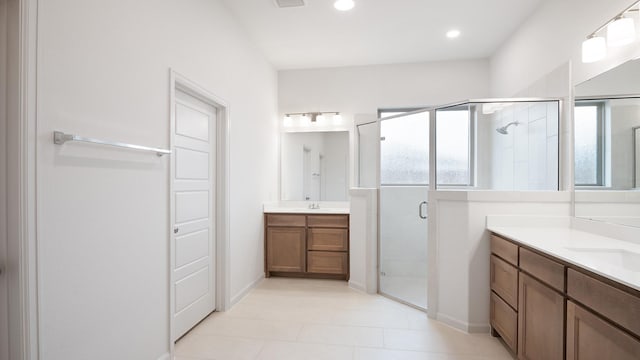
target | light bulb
x=320, y=119
x=344, y=5
x=594, y=49
x=287, y=121
x=452, y=34
x=337, y=119
x=621, y=31
x=305, y=120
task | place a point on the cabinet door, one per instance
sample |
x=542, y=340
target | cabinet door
x=591, y=338
x=286, y=249
x=540, y=321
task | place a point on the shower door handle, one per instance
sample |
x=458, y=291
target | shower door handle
x=422, y=207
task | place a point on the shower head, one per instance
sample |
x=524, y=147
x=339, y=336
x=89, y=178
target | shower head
x=504, y=130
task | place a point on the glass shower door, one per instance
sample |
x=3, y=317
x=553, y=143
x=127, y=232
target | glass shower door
x=404, y=176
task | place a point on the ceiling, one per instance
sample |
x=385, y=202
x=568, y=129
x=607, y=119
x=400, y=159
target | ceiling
x=378, y=31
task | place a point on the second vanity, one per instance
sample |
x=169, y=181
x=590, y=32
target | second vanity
x=561, y=293
x=303, y=242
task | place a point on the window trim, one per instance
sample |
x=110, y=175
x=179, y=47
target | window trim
x=471, y=141
x=601, y=142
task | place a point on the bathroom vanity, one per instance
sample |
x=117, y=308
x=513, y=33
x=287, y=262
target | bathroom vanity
x=557, y=292
x=313, y=244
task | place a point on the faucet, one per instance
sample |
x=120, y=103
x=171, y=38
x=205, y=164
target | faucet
x=314, y=206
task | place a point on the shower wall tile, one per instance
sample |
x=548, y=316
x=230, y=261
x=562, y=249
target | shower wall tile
x=537, y=111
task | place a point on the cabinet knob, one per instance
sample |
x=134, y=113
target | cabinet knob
x=176, y=229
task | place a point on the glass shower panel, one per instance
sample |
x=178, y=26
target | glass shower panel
x=507, y=145
x=404, y=173
x=368, y=143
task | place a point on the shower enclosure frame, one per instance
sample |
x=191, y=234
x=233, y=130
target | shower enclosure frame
x=432, y=240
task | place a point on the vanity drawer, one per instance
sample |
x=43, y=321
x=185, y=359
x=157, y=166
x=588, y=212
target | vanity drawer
x=504, y=281
x=504, y=249
x=331, y=221
x=286, y=220
x=504, y=320
x=328, y=239
x=327, y=262
x=616, y=305
x=543, y=268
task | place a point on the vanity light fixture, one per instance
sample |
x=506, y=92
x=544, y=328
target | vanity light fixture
x=620, y=31
x=344, y=5
x=309, y=118
x=594, y=49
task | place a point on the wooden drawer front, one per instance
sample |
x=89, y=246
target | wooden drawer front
x=504, y=249
x=545, y=269
x=505, y=321
x=286, y=220
x=328, y=239
x=285, y=249
x=504, y=281
x=540, y=321
x=324, y=262
x=614, y=304
x=591, y=338
x=335, y=221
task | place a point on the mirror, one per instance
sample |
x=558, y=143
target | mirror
x=607, y=146
x=315, y=166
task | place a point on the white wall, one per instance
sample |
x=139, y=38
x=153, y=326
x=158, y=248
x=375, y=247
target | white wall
x=551, y=37
x=364, y=89
x=358, y=92
x=103, y=71
x=363, y=239
x=462, y=247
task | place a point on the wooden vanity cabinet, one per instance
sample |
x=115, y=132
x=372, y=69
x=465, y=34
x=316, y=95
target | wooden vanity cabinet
x=563, y=311
x=589, y=337
x=305, y=245
x=540, y=321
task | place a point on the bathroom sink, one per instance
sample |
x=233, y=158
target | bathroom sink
x=627, y=260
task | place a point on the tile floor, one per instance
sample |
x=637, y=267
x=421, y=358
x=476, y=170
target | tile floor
x=303, y=319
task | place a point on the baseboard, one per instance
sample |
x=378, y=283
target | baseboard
x=236, y=299
x=166, y=356
x=357, y=286
x=463, y=326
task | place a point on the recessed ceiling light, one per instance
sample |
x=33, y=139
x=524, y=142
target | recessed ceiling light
x=452, y=34
x=344, y=5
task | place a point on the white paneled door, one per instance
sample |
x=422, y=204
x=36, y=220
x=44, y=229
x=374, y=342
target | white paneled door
x=192, y=212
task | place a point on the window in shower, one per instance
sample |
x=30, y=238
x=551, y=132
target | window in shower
x=454, y=143
x=502, y=145
x=589, y=143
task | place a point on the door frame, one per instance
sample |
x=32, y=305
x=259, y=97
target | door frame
x=221, y=206
x=23, y=273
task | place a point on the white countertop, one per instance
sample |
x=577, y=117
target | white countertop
x=612, y=258
x=295, y=207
